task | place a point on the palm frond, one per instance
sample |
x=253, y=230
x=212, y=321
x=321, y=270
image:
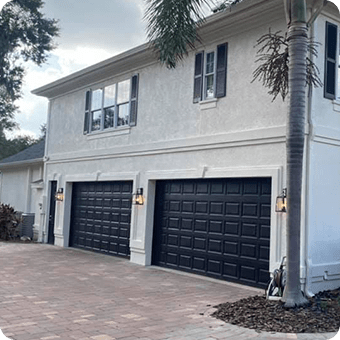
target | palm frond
x=172, y=27
x=273, y=70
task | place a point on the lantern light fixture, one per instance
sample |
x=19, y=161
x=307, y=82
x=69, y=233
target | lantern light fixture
x=138, y=198
x=59, y=195
x=281, y=202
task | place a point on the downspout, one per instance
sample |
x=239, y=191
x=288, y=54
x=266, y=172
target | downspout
x=1, y=178
x=29, y=190
x=310, y=135
x=45, y=207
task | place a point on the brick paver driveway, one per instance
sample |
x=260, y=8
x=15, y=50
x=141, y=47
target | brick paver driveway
x=48, y=292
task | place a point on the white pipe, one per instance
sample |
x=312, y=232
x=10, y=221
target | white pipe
x=308, y=261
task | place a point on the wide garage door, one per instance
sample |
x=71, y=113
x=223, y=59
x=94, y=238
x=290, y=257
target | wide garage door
x=101, y=214
x=215, y=227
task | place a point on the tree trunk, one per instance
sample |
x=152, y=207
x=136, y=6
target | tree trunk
x=297, y=40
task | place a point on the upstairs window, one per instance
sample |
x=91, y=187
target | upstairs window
x=111, y=107
x=210, y=74
x=331, y=55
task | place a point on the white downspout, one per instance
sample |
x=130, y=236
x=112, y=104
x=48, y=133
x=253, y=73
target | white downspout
x=308, y=261
x=45, y=207
x=1, y=179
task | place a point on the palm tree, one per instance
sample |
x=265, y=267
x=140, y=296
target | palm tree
x=172, y=29
x=297, y=48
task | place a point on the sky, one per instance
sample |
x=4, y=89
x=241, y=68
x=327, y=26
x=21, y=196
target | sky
x=90, y=31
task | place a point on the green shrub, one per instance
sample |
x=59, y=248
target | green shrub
x=9, y=221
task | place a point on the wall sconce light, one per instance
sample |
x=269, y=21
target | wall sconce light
x=59, y=195
x=281, y=202
x=138, y=198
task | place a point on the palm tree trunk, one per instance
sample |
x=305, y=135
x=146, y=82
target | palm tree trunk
x=297, y=37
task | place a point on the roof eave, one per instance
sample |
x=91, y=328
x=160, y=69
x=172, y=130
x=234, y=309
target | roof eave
x=21, y=163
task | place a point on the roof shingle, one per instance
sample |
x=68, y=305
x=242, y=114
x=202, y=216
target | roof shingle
x=34, y=152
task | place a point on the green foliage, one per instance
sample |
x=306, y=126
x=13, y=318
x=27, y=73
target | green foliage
x=9, y=147
x=25, y=35
x=9, y=221
x=172, y=26
x=273, y=70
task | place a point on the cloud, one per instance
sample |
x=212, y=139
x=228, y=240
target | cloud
x=90, y=31
x=33, y=109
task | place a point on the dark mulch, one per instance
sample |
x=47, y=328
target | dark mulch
x=322, y=315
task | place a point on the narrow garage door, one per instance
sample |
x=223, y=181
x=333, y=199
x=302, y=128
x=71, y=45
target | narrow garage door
x=101, y=213
x=215, y=227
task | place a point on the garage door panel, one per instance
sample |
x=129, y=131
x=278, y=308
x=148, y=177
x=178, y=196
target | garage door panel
x=215, y=227
x=200, y=225
x=199, y=263
x=231, y=248
x=231, y=228
x=101, y=215
x=233, y=209
x=185, y=241
x=215, y=267
x=185, y=261
x=247, y=273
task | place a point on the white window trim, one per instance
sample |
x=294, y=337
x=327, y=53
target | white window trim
x=115, y=126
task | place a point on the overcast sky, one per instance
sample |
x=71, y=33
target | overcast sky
x=90, y=31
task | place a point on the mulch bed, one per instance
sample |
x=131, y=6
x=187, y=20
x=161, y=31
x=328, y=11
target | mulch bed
x=322, y=315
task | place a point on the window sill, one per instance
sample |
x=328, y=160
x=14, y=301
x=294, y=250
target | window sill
x=109, y=133
x=208, y=104
x=336, y=105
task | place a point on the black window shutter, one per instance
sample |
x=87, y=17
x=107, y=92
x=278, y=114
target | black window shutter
x=134, y=100
x=330, y=60
x=87, y=112
x=198, y=80
x=221, y=70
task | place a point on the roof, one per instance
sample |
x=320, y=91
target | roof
x=232, y=20
x=144, y=55
x=32, y=154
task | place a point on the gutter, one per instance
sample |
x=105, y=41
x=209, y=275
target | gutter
x=21, y=163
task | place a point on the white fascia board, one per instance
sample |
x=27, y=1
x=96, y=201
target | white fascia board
x=22, y=163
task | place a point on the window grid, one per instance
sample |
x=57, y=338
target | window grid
x=209, y=76
x=107, y=117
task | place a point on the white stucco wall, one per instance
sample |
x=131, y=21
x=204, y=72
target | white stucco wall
x=15, y=189
x=22, y=188
x=322, y=176
x=241, y=135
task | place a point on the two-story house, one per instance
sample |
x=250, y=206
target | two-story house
x=206, y=149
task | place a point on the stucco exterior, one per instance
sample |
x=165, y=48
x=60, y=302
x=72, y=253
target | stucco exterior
x=239, y=135
x=21, y=186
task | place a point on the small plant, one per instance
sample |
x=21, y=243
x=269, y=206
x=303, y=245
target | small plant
x=9, y=220
x=324, y=305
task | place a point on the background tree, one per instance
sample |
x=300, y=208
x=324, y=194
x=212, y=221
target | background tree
x=172, y=29
x=25, y=35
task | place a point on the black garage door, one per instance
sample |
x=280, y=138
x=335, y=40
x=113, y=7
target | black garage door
x=215, y=227
x=101, y=213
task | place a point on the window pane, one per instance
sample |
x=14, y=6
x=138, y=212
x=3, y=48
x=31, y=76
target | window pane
x=123, y=92
x=96, y=118
x=209, y=92
x=97, y=99
x=110, y=95
x=210, y=63
x=123, y=114
x=330, y=84
x=109, y=116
